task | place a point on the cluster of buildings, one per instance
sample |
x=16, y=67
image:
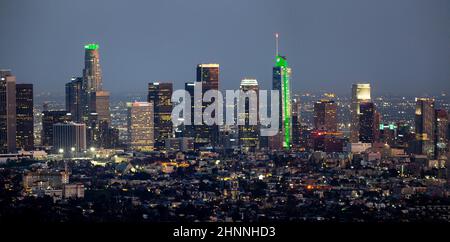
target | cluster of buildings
x=230, y=172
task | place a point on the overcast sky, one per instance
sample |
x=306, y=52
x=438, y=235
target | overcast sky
x=400, y=46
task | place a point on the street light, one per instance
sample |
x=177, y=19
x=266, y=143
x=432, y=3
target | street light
x=61, y=151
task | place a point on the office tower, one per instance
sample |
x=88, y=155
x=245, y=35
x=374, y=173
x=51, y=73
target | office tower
x=188, y=130
x=49, y=118
x=69, y=137
x=360, y=94
x=74, y=94
x=208, y=76
x=92, y=72
x=92, y=80
x=281, y=82
x=296, y=122
x=248, y=133
x=24, y=112
x=424, y=126
x=367, y=122
x=102, y=107
x=7, y=112
x=325, y=113
x=140, y=126
x=441, y=132
x=160, y=95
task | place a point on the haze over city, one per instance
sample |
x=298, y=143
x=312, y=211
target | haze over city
x=329, y=44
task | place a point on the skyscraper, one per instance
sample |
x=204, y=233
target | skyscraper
x=24, y=112
x=49, y=118
x=140, y=126
x=92, y=71
x=92, y=80
x=102, y=106
x=248, y=132
x=7, y=112
x=208, y=76
x=441, y=132
x=424, y=126
x=281, y=81
x=367, y=122
x=69, y=137
x=296, y=121
x=360, y=94
x=74, y=92
x=188, y=130
x=325, y=113
x=160, y=95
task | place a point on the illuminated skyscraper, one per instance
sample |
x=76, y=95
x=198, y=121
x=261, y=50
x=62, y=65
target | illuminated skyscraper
x=102, y=106
x=92, y=71
x=140, y=126
x=360, y=94
x=424, y=123
x=92, y=80
x=249, y=133
x=367, y=123
x=24, y=112
x=7, y=112
x=296, y=121
x=74, y=91
x=281, y=81
x=325, y=112
x=188, y=130
x=207, y=135
x=441, y=133
x=160, y=95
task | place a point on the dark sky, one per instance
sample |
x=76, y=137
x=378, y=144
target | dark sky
x=400, y=46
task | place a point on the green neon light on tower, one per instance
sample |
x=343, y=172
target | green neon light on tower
x=281, y=62
x=284, y=69
x=91, y=46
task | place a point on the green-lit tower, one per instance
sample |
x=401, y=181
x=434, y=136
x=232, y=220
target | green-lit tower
x=281, y=76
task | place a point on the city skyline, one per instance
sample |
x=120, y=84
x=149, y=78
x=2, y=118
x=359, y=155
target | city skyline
x=270, y=126
x=416, y=52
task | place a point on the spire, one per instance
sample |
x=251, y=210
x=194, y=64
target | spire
x=276, y=44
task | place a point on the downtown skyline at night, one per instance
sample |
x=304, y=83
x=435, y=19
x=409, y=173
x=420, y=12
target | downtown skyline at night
x=194, y=120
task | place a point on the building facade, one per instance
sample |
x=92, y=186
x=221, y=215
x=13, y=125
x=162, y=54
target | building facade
x=24, y=117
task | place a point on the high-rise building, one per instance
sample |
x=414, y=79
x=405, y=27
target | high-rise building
x=441, y=133
x=325, y=116
x=296, y=122
x=92, y=71
x=24, y=113
x=188, y=130
x=160, y=94
x=140, y=126
x=49, y=118
x=424, y=126
x=69, y=137
x=92, y=80
x=360, y=94
x=367, y=122
x=248, y=132
x=7, y=112
x=281, y=82
x=74, y=93
x=208, y=76
x=102, y=106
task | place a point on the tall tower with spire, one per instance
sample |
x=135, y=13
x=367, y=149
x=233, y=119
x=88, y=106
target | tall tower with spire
x=281, y=82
